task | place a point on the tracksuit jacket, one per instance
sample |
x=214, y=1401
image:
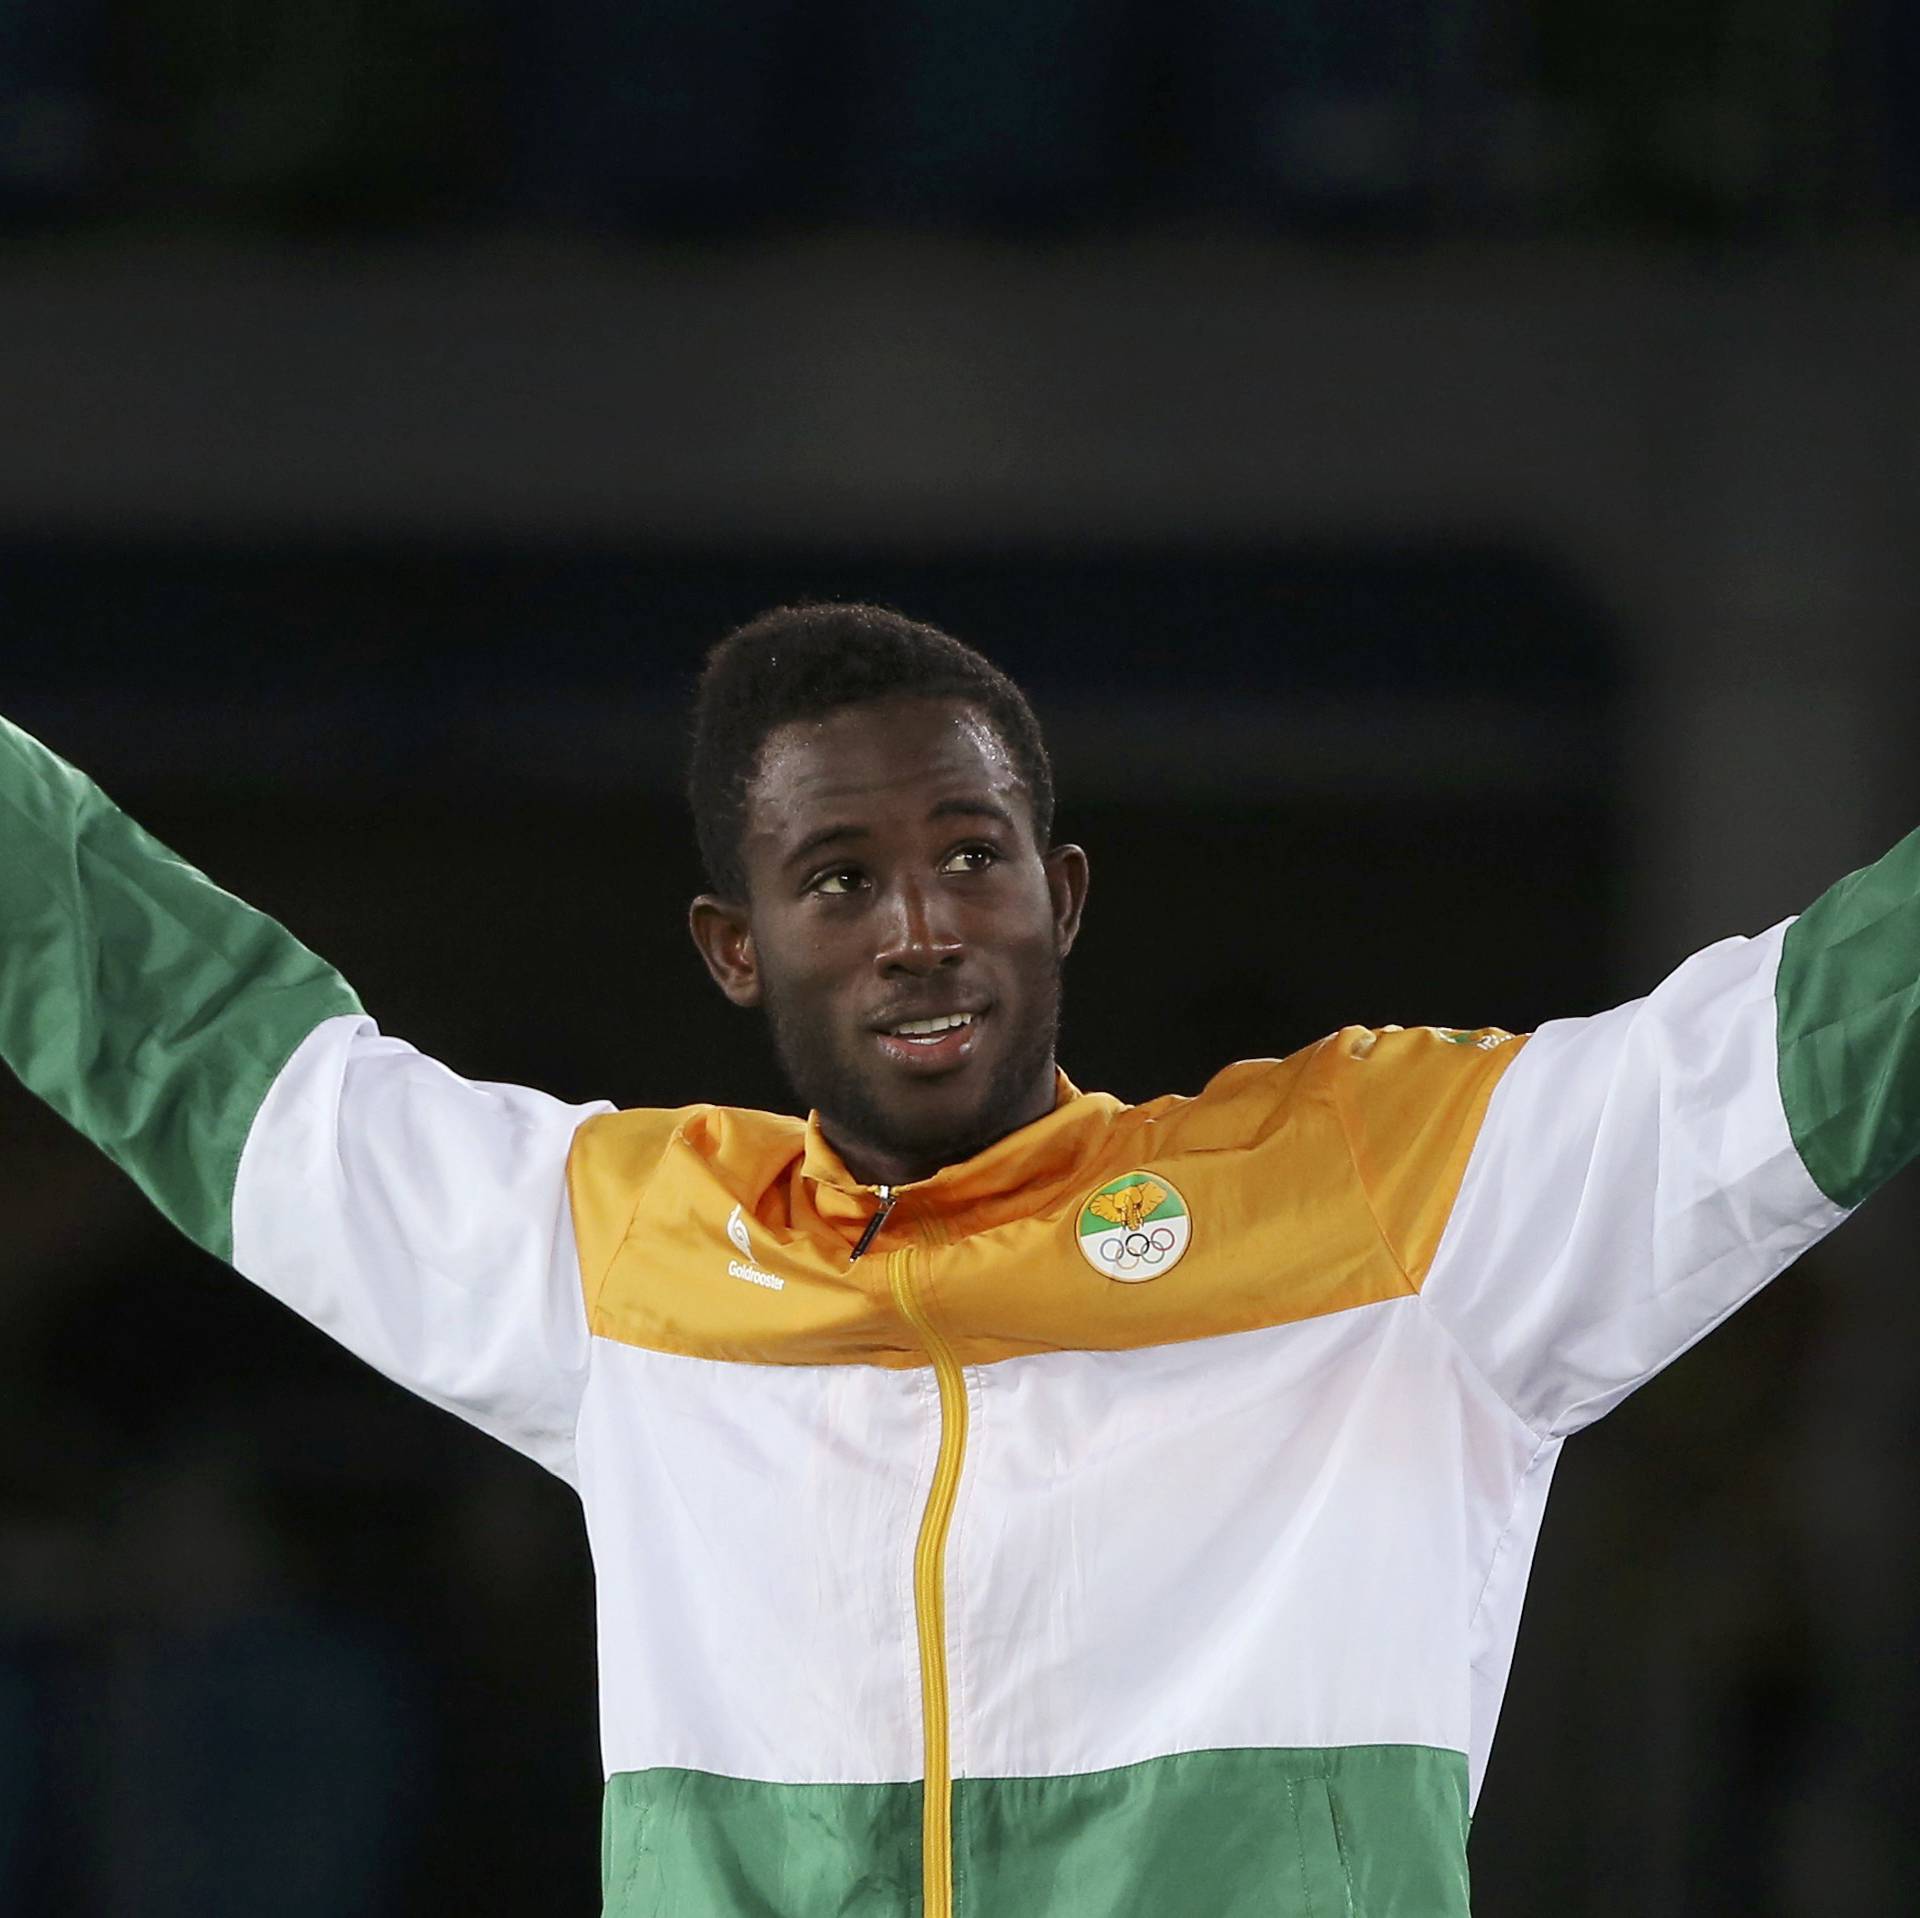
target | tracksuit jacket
x=1138, y=1528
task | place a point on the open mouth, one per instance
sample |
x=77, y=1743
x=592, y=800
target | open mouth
x=932, y=1044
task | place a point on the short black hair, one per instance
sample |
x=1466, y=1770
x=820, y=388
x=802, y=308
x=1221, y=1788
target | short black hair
x=797, y=662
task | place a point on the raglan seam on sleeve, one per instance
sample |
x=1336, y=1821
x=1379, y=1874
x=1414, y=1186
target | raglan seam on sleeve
x=1433, y=1312
x=1473, y=1365
x=619, y=1245
x=1366, y=1195
x=1418, y=1292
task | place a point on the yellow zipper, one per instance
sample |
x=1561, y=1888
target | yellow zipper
x=930, y=1597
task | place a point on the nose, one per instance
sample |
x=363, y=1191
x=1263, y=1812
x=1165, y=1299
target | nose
x=917, y=937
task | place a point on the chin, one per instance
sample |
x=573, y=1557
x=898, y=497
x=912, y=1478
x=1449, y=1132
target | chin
x=938, y=1121
x=949, y=1133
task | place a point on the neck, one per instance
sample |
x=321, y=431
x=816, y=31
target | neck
x=890, y=1163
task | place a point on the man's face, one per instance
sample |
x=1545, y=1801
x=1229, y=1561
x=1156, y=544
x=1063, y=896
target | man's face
x=903, y=930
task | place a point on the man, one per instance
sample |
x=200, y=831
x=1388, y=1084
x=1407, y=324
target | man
x=1003, y=1500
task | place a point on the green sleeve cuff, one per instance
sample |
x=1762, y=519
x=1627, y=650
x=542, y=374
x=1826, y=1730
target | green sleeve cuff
x=1848, y=1010
x=149, y=1008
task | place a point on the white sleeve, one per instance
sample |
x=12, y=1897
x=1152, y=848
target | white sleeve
x=1634, y=1181
x=422, y=1220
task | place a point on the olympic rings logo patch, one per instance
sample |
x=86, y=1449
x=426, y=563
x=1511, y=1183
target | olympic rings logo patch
x=1126, y=1252
x=1134, y=1228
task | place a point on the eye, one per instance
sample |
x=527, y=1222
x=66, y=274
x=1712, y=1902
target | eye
x=974, y=858
x=837, y=882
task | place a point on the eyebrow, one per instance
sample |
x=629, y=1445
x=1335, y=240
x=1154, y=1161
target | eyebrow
x=945, y=809
x=826, y=836
x=972, y=809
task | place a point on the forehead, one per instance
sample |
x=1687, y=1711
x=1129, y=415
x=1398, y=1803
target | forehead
x=895, y=757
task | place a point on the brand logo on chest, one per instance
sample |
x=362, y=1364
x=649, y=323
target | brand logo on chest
x=1135, y=1227
x=737, y=1232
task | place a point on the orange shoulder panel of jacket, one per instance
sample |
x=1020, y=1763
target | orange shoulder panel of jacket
x=1411, y=1101
x=1253, y=1194
x=698, y=1236
x=700, y=1231
x=616, y=1159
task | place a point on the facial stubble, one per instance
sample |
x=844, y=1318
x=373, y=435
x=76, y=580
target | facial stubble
x=825, y=1082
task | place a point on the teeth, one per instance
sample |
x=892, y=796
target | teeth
x=925, y=1028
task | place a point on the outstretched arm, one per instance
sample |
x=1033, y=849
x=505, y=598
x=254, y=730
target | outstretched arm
x=1630, y=1179
x=1639, y=1174
x=150, y=1009
x=1847, y=1005
x=419, y=1218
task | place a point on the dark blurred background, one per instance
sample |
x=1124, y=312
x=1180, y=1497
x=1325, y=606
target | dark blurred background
x=1446, y=470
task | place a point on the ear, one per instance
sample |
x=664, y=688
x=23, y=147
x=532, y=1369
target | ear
x=724, y=936
x=1067, y=879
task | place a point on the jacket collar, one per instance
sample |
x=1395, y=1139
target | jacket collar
x=1012, y=1176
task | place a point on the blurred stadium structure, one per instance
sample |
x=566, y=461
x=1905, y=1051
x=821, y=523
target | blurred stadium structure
x=1447, y=469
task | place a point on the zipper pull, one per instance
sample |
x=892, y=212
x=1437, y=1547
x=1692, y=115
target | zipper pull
x=887, y=1196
